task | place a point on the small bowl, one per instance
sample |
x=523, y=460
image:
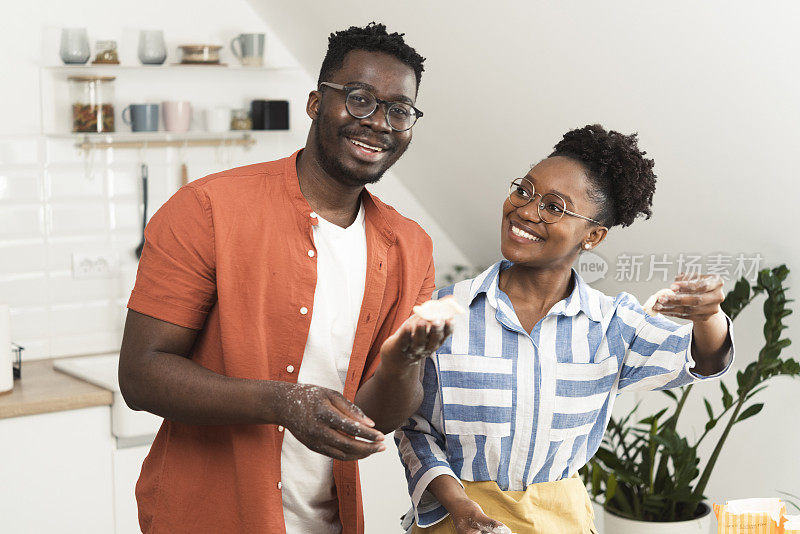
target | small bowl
x=200, y=53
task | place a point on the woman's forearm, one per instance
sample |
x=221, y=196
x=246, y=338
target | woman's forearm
x=448, y=491
x=711, y=344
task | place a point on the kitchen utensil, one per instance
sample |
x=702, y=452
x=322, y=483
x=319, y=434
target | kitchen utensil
x=251, y=48
x=152, y=50
x=184, y=174
x=92, y=100
x=177, y=116
x=144, y=209
x=270, y=114
x=141, y=117
x=201, y=54
x=74, y=46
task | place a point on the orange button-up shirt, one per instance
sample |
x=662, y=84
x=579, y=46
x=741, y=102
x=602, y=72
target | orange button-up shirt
x=228, y=255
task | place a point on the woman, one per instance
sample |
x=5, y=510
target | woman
x=517, y=400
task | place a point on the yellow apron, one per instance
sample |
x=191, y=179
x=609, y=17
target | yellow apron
x=562, y=507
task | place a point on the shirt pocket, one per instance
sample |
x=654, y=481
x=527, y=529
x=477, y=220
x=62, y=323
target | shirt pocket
x=582, y=391
x=477, y=394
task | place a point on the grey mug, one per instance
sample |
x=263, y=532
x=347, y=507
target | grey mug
x=251, y=48
x=141, y=117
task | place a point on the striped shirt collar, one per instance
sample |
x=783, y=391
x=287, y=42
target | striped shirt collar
x=582, y=299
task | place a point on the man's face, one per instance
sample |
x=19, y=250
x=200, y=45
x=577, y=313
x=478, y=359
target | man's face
x=337, y=134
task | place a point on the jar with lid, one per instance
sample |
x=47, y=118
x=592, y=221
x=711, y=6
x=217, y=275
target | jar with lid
x=240, y=120
x=106, y=53
x=92, y=100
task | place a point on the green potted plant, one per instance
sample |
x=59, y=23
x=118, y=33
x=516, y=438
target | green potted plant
x=647, y=476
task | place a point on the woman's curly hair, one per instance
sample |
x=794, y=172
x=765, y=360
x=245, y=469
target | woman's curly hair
x=622, y=179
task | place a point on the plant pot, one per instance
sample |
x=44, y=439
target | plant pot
x=614, y=524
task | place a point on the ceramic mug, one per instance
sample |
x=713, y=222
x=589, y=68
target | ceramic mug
x=218, y=119
x=251, y=47
x=141, y=117
x=177, y=116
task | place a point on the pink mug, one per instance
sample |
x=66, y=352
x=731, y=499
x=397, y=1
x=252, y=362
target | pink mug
x=177, y=116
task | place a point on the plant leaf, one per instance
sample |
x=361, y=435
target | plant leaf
x=708, y=409
x=750, y=412
x=727, y=398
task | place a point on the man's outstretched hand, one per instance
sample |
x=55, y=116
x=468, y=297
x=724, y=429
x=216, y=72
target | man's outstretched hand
x=326, y=422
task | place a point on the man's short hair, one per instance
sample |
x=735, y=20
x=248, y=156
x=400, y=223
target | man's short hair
x=374, y=38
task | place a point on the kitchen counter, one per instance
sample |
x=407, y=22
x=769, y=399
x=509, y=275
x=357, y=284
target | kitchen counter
x=42, y=389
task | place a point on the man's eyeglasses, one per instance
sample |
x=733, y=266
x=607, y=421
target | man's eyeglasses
x=360, y=103
x=551, y=207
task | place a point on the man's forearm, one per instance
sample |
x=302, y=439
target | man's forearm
x=391, y=395
x=179, y=389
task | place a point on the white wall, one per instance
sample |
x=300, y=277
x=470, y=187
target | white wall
x=713, y=91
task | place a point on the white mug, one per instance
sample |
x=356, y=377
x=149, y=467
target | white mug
x=218, y=119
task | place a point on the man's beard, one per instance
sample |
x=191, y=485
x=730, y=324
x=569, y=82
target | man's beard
x=333, y=166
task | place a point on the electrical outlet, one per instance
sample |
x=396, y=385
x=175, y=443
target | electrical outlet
x=93, y=265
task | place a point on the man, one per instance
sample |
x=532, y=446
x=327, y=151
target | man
x=274, y=297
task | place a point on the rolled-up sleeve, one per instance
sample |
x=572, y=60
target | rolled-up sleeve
x=422, y=448
x=659, y=351
x=176, y=277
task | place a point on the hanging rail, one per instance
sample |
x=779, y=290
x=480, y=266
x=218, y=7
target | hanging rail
x=87, y=144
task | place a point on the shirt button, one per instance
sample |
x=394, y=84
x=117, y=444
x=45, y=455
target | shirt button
x=290, y=368
x=313, y=214
x=280, y=428
x=280, y=485
x=310, y=253
x=303, y=310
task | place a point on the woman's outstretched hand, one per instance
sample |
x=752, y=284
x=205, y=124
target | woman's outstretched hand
x=468, y=518
x=696, y=298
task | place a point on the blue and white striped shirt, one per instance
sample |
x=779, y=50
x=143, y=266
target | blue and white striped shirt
x=519, y=408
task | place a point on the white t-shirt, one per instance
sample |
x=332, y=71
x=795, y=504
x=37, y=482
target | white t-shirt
x=309, y=494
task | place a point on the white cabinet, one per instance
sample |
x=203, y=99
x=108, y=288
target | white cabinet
x=127, y=466
x=56, y=473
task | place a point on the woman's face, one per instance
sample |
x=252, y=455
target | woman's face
x=551, y=245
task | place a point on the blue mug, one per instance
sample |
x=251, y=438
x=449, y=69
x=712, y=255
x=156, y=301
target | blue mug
x=141, y=117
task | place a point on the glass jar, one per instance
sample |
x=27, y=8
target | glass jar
x=240, y=120
x=92, y=99
x=106, y=53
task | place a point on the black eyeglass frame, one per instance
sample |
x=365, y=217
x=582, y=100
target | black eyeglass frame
x=378, y=101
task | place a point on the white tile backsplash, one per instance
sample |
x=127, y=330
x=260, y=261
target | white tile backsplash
x=83, y=318
x=64, y=289
x=126, y=216
x=69, y=182
x=61, y=249
x=19, y=151
x=29, y=322
x=21, y=222
x=23, y=290
x=80, y=217
x=124, y=181
x=23, y=257
x=20, y=185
